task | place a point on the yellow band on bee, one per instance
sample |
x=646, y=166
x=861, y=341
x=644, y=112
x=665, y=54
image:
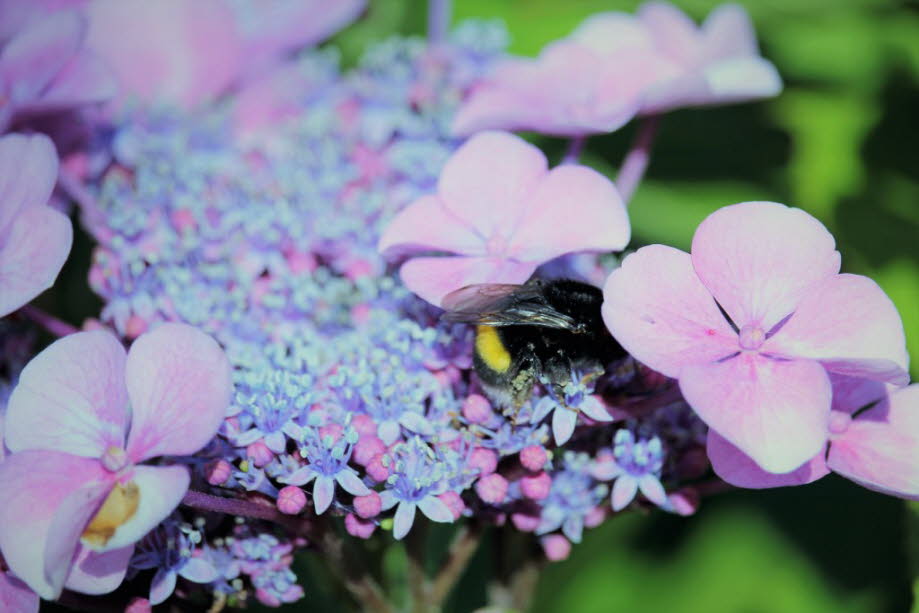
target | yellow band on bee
x=491, y=350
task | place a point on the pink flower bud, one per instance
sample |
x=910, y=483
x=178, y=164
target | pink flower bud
x=135, y=326
x=453, y=502
x=684, y=502
x=259, y=454
x=267, y=598
x=595, y=517
x=485, y=460
x=492, y=488
x=556, y=547
x=525, y=522
x=299, y=262
x=367, y=447
x=139, y=605
x=360, y=314
x=364, y=425
x=182, y=220
x=358, y=527
x=476, y=409
x=368, y=506
x=291, y=500
x=533, y=457
x=331, y=430
x=376, y=470
x=536, y=486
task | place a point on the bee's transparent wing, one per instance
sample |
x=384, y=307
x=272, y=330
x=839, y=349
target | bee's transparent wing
x=495, y=304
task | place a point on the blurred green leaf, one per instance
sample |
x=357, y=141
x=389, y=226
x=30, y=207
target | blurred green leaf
x=900, y=279
x=827, y=131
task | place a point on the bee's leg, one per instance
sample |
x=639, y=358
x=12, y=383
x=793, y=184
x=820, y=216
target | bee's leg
x=557, y=373
x=522, y=384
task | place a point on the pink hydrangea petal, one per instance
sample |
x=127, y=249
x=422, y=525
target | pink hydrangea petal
x=435, y=509
x=160, y=488
x=740, y=79
x=37, y=54
x=759, y=259
x=612, y=32
x=774, y=411
x=35, y=248
x=169, y=51
x=673, y=32
x=28, y=172
x=851, y=326
x=728, y=32
x=271, y=30
x=98, y=573
x=655, y=306
x=85, y=79
x=624, y=490
x=426, y=225
x=433, y=278
x=582, y=201
x=737, y=468
x=71, y=397
x=563, y=423
x=880, y=448
x=15, y=596
x=487, y=181
x=49, y=498
x=179, y=383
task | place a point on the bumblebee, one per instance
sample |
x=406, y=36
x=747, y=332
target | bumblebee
x=543, y=331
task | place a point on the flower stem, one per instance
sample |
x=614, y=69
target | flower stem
x=464, y=545
x=438, y=20
x=49, y=322
x=575, y=147
x=636, y=160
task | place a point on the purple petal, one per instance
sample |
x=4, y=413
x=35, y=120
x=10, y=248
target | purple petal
x=15, y=596
x=728, y=32
x=351, y=483
x=159, y=490
x=28, y=172
x=164, y=583
x=660, y=312
x=416, y=422
x=774, y=411
x=98, y=573
x=850, y=325
x=199, y=570
x=594, y=408
x=563, y=423
x=487, y=182
x=84, y=80
x=605, y=469
x=389, y=432
x=582, y=201
x=404, y=518
x=652, y=489
x=544, y=406
x=49, y=497
x=737, y=468
x=624, y=490
x=323, y=493
x=672, y=30
x=301, y=476
x=32, y=254
x=71, y=397
x=32, y=58
x=387, y=500
x=276, y=441
x=179, y=382
x=853, y=393
x=880, y=448
x=426, y=225
x=435, y=509
x=433, y=278
x=760, y=259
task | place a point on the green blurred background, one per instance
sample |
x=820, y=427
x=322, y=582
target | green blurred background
x=840, y=142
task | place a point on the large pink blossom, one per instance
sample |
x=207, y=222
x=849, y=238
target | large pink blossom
x=877, y=447
x=501, y=213
x=756, y=373
x=35, y=239
x=45, y=65
x=81, y=424
x=615, y=66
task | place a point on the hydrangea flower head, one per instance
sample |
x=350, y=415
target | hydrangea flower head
x=502, y=213
x=35, y=239
x=751, y=323
x=81, y=422
x=873, y=434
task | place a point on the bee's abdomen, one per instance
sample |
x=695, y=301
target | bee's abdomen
x=490, y=349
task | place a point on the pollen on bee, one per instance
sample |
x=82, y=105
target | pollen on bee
x=119, y=507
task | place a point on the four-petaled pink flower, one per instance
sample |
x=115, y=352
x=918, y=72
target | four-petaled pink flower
x=873, y=435
x=81, y=423
x=756, y=373
x=502, y=213
x=615, y=66
x=35, y=239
